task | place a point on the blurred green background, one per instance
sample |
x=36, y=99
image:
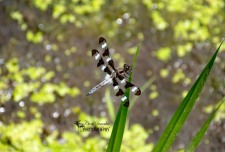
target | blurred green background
x=47, y=69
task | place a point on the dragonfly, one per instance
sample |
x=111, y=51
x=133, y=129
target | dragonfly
x=117, y=76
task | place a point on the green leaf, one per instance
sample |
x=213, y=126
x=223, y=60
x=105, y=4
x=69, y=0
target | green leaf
x=118, y=130
x=16, y=15
x=179, y=117
x=20, y=92
x=198, y=137
x=34, y=37
x=42, y=4
x=62, y=89
x=110, y=105
x=74, y=91
x=120, y=122
x=13, y=65
x=163, y=54
x=35, y=72
x=48, y=76
x=45, y=95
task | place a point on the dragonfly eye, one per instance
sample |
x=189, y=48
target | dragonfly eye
x=127, y=67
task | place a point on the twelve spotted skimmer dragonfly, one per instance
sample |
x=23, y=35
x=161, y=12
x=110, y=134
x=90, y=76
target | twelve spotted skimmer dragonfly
x=117, y=76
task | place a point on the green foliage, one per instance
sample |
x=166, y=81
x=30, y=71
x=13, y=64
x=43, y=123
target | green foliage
x=34, y=37
x=163, y=54
x=45, y=95
x=67, y=12
x=28, y=136
x=182, y=50
x=180, y=26
x=34, y=72
x=109, y=104
x=22, y=90
x=190, y=21
x=22, y=137
x=164, y=73
x=88, y=6
x=158, y=20
x=32, y=87
x=42, y=4
x=184, y=109
x=198, y=137
x=12, y=65
x=18, y=16
x=178, y=76
x=135, y=143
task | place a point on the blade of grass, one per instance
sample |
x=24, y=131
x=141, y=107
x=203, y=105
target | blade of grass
x=109, y=105
x=120, y=122
x=118, y=130
x=133, y=65
x=198, y=137
x=179, y=117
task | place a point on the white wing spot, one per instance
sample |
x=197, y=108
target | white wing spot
x=97, y=57
x=124, y=98
x=110, y=80
x=123, y=81
x=103, y=67
x=134, y=89
x=104, y=45
x=107, y=76
x=108, y=59
x=116, y=87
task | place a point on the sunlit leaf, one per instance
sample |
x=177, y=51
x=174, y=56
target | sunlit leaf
x=163, y=54
x=178, y=76
x=182, y=112
x=45, y=95
x=34, y=37
x=159, y=21
x=34, y=72
x=74, y=91
x=198, y=137
x=58, y=10
x=164, y=73
x=42, y=97
x=42, y=4
x=155, y=112
x=48, y=76
x=153, y=95
x=12, y=65
x=22, y=90
x=21, y=114
x=17, y=16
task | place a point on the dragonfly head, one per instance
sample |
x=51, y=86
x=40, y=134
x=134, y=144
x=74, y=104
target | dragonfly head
x=127, y=68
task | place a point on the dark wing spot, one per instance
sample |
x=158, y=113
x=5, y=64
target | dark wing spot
x=111, y=63
x=101, y=39
x=94, y=51
x=106, y=52
x=107, y=70
x=120, y=76
x=115, y=83
x=120, y=92
x=128, y=85
x=138, y=93
x=100, y=62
